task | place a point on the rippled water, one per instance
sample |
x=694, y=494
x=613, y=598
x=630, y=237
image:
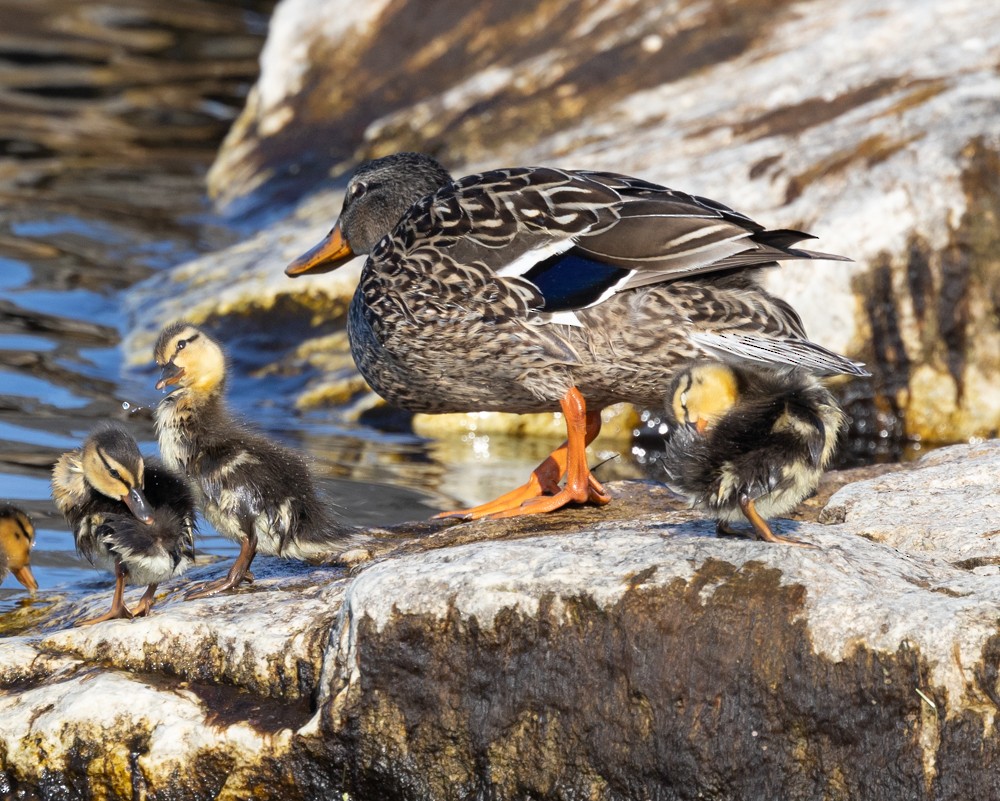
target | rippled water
x=110, y=113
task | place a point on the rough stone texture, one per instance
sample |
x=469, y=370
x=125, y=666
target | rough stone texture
x=622, y=652
x=884, y=145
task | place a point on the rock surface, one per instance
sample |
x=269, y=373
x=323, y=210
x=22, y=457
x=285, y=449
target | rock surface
x=622, y=652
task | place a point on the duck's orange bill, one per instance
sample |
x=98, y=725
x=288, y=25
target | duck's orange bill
x=25, y=576
x=326, y=256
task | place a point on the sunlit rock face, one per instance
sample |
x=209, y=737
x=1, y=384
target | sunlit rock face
x=625, y=652
x=871, y=127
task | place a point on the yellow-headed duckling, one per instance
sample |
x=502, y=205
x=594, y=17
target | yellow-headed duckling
x=130, y=515
x=749, y=443
x=253, y=490
x=17, y=536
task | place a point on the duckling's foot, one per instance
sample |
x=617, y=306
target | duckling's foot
x=145, y=603
x=223, y=584
x=118, y=609
x=762, y=530
x=238, y=573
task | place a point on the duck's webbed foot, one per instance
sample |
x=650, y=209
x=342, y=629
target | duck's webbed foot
x=542, y=492
x=146, y=602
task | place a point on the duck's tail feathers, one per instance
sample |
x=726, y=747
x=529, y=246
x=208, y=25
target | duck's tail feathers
x=791, y=353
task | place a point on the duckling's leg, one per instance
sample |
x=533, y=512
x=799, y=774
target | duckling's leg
x=581, y=486
x=544, y=479
x=238, y=573
x=762, y=529
x=118, y=608
x=146, y=602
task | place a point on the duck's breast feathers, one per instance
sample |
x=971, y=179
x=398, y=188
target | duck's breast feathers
x=576, y=238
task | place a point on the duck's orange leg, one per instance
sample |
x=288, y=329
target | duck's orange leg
x=545, y=478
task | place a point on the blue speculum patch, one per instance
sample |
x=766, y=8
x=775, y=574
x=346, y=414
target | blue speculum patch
x=571, y=281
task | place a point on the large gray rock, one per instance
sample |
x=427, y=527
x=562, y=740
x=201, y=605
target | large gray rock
x=621, y=652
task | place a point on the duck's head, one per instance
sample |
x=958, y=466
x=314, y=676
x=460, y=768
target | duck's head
x=189, y=359
x=113, y=466
x=377, y=197
x=703, y=393
x=17, y=536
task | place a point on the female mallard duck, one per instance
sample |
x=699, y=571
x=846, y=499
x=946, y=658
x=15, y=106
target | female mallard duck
x=749, y=443
x=17, y=535
x=537, y=289
x=254, y=491
x=130, y=515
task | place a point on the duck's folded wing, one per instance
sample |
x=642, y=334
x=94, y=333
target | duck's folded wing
x=784, y=352
x=576, y=238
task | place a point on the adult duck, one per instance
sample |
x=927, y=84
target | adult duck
x=535, y=289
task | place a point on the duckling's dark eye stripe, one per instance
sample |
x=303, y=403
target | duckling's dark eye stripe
x=24, y=530
x=111, y=470
x=184, y=343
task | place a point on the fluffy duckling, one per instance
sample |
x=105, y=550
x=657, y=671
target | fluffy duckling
x=254, y=491
x=749, y=443
x=129, y=515
x=17, y=536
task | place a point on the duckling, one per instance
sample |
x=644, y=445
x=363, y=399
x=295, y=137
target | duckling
x=129, y=515
x=253, y=490
x=17, y=536
x=749, y=443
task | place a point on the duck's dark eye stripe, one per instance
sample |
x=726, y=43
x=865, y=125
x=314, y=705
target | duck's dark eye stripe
x=24, y=530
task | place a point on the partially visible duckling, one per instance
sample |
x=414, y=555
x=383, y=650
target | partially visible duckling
x=17, y=536
x=749, y=443
x=254, y=491
x=129, y=515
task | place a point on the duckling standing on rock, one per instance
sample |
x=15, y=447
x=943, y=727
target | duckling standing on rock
x=17, y=535
x=533, y=289
x=254, y=491
x=129, y=515
x=749, y=443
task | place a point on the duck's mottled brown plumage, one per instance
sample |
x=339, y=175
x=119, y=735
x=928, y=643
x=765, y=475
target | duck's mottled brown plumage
x=508, y=289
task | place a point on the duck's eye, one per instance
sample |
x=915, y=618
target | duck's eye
x=356, y=190
x=115, y=474
x=182, y=344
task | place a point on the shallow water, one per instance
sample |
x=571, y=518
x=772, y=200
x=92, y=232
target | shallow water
x=110, y=114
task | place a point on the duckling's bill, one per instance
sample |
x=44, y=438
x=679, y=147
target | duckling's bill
x=328, y=255
x=169, y=375
x=138, y=505
x=25, y=576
